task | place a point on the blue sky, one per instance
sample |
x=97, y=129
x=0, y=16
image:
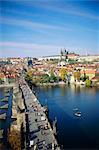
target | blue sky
x=42, y=27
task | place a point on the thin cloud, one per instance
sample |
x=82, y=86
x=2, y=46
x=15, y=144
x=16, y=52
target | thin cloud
x=32, y=25
x=66, y=9
x=11, y=49
x=44, y=28
x=52, y=6
x=28, y=45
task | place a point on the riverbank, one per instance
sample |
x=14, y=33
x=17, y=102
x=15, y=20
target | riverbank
x=64, y=83
x=51, y=84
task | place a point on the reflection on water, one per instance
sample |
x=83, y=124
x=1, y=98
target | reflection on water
x=73, y=132
x=79, y=89
x=63, y=90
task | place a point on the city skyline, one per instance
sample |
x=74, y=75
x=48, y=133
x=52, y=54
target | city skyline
x=41, y=28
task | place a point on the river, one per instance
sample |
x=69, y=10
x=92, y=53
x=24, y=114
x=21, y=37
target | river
x=5, y=124
x=73, y=132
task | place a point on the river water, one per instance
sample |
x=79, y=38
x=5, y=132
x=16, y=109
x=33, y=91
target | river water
x=73, y=132
x=5, y=124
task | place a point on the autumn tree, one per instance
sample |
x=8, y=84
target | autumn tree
x=63, y=74
x=30, y=72
x=77, y=75
x=14, y=138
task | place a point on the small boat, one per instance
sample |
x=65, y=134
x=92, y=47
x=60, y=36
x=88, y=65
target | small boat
x=78, y=114
x=75, y=109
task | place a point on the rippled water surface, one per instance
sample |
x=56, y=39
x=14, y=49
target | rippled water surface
x=73, y=131
x=5, y=124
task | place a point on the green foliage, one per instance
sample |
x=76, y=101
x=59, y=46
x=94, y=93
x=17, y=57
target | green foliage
x=44, y=78
x=88, y=82
x=11, y=80
x=71, y=61
x=54, y=79
x=83, y=78
x=52, y=76
x=1, y=81
x=28, y=78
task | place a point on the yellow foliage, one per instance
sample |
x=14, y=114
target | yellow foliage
x=77, y=75
x=63, y=73
x=14, y=139
x=30, y=72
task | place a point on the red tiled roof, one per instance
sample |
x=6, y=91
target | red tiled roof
x=95, y=78
x=72, y=54
x=88, y=71
x=2, y=75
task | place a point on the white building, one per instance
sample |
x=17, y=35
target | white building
x=88, y=58
x=49, y=57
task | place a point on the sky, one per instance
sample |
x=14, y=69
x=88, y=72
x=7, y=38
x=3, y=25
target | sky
x=36, y=28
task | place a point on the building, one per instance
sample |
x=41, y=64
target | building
x=88, y=58
x=71, y=56
x=89, y=72
x=96, y=77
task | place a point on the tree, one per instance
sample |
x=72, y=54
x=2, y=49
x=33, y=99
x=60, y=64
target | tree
x=85, y=77
x=63, y=74
x=1, y=81
x=88, y=82
x=30, y=72
x=28, y=78
x=52, y=76
x=44, y=78
x=77, y=75
x=14, y=138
